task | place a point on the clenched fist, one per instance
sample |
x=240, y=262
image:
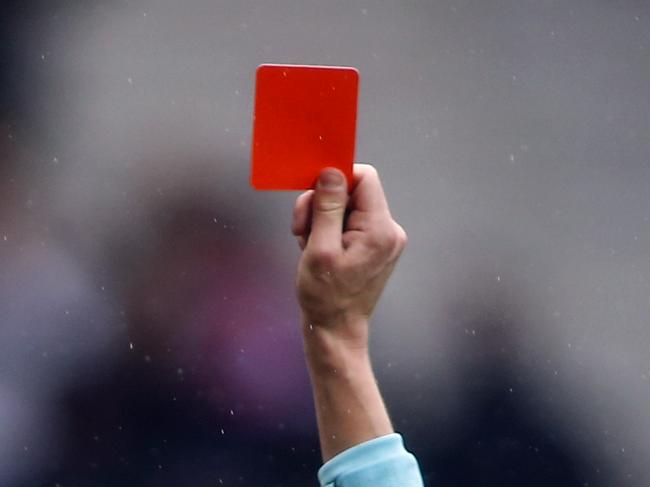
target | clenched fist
x=350, y=245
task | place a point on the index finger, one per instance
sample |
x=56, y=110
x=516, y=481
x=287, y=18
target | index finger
x=367, y=193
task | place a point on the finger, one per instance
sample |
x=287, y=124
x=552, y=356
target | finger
x=302, y=214
x=368, y=193
x=328, y=209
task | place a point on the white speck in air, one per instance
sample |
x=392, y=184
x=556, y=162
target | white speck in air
x=512, y=158
x=4, y=237
x=43, y=57
x=232, y=413
x=237, y=92
x=129, y=80
x=222, y=431
x=364, y=11
x=284, y=73
x=67, y=311
x=498, y=278
x=227, y=130
x=334, y=437
x=147, y=358
x=55, y=160
x=311, y=327
x=320, y=137
x=130, y=345
x=510, y=389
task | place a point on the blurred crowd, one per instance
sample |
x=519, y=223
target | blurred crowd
x=148, y=324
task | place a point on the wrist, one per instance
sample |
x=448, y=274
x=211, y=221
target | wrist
x=336, y=348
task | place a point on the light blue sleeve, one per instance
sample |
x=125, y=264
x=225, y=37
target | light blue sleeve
x=381, y=462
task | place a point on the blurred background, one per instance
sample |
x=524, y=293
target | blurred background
x=148, y=325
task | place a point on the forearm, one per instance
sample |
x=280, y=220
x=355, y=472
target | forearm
x=350, y=247
x=349, y=407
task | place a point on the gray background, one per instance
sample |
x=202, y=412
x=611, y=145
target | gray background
x=513, y=141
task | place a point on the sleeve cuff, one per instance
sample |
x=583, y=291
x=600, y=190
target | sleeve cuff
x=368, y=460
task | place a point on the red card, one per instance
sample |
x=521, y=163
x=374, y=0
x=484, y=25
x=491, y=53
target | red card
x=305, y=120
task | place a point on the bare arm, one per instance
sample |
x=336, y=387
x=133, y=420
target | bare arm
x=344, y=267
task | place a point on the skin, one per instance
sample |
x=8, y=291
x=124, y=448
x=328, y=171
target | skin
x=350, y=245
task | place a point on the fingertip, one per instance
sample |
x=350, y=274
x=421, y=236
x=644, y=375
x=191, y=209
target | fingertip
x=331, y=178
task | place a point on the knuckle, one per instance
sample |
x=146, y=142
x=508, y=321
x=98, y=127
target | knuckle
x=366, y=171
x=391, y=237
x=382, y=241
x=302, y=200
x=371, y=172
x=402, y=236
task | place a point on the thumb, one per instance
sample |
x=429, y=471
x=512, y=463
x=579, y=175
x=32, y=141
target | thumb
x=329, y=202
